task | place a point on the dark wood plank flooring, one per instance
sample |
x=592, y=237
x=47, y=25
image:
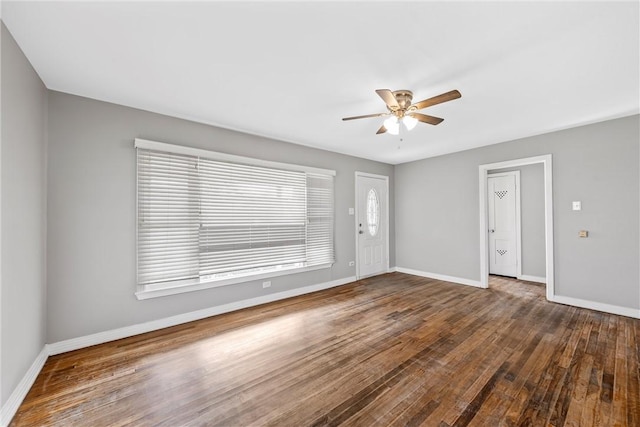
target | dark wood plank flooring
x=391, y=350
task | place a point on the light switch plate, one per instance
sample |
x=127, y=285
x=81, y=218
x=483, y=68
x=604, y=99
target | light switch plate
x=577, y=206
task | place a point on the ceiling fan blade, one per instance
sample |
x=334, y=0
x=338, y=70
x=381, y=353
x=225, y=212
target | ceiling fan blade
x=366, y=116
x=426, y=119
x=381, y=130
x=388, y=98
x=449, y=96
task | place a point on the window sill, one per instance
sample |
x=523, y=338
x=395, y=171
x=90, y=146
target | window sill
x=173, y=289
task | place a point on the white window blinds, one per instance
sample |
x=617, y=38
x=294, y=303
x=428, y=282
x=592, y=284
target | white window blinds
x=203, y=219
x=251, y=217
x=319, y=219
x=168, y=217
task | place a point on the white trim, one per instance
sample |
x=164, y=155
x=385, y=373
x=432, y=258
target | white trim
x=14, y=401
x=528, y=278
x=2, y=407
x=392, y=269
x=232, y=158
x=173, y=289
x=128, y=331
x=516, y=174
x=548, y=215
x=598, y=306
x=387, y=243
x=459, y=280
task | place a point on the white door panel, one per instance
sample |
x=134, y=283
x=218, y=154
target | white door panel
x=372, y=225
x=503, y=209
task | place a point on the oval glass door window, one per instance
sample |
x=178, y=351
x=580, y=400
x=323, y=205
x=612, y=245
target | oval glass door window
x=373, y=212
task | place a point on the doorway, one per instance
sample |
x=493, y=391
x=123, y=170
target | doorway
x=372, y=224
x=548, y=217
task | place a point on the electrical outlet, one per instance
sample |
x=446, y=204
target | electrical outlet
x=352, y=263
x=266, y=284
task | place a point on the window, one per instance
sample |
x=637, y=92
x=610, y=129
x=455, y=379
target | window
x=212, y=219
x=373, y=212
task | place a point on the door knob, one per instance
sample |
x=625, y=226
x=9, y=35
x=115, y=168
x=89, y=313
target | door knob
x=360, y=232
x=492, y=231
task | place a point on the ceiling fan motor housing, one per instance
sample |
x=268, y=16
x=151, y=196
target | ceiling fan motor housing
x=404, y=98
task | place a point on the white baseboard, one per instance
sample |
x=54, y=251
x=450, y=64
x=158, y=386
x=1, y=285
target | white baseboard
x=392, y=269
x=12, y=404
x=141, y=328
x=598, y=306
x=460, y=280
x=536, y=279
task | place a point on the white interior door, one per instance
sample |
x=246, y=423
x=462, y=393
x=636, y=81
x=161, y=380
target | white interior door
x=372, y=224
x=504, y=223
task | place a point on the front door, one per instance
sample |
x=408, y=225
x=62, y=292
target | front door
x=503, y=223
x=372, y=224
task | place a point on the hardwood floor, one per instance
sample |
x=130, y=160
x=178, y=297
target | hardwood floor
x=391, y=350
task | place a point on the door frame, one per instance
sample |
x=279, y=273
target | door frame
x=386, y=219
x=548, y=216
x=518, y=217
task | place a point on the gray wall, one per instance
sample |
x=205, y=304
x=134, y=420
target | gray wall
x=437, y=225
x=531, y=218
x=91, y=213
x=24, y=115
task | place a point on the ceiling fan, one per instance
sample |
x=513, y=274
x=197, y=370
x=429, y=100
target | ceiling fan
x=402, y=110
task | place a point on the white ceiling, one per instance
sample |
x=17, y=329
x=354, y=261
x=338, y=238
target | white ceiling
x=292, y=70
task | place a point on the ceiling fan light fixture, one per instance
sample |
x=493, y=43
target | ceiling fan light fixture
x=392, y=125
x=409, y=122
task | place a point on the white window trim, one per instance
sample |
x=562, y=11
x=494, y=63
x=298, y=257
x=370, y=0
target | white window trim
x=231, y=158
x=197, y=285
x=173, y=288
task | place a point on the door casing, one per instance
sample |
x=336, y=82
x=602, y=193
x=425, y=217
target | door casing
x=548, y=216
